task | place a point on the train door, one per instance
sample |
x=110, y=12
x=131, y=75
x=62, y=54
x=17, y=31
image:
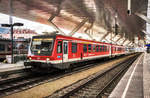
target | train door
x=110, y=50
x=65, y=51
x=59, y=50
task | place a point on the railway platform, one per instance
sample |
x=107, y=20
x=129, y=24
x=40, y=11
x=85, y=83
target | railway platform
x=135, y=83
x=11, y=67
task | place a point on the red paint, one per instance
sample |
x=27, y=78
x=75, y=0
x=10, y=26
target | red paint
x=79, y=53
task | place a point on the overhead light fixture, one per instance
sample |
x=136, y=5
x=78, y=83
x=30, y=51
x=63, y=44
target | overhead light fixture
x=129, y=7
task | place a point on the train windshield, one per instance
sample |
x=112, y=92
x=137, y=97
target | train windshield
x=42, y=46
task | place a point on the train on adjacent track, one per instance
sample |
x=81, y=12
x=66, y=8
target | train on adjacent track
x=60, y=52
x=20, y=47
x=5, y=48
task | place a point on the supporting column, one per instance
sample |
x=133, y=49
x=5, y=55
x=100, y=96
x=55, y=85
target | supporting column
x=148, y=25
x=78, y=27
x=11, y=29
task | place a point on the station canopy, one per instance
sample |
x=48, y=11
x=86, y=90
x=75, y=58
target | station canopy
x=101, y=15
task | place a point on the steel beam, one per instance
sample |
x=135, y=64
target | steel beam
x=113, y=41
x=107, y=40
x=143, y=17
x=129, y=43
x=55, y=27
x=104, y=36
x=123, y=41
x=78, y=27
x=118, y=39
x=114, y=37
x=89, y=36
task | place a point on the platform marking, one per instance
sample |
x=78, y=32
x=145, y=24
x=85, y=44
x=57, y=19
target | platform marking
x=125, y=91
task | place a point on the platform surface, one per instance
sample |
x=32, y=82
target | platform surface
x=10, y=67
x=136, y=82
x=146, y=76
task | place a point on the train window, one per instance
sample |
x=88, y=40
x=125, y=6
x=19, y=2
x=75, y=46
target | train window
x=103, y=48
x=9, y=47
x=89, y=48
x=94, y=48
x=74, y=47
x=100, y=48
x=107, y=48
x=2, y=47
x=85, y=48
x=59, y=47
x=97, y=48
x=65, y=47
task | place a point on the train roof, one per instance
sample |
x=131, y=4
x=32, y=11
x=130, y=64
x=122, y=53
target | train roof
x=5, y=39
x=54, y=35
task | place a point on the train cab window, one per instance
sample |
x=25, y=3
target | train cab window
x=94, y=48
x=84, y=48
x=2, y=47
x=74, y=47
x=59, y=47
x=89, y=48
x=97, y=48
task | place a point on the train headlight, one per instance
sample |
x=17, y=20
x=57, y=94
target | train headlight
x=47, y=59
x=30, y=58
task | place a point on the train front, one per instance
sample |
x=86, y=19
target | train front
x=40, y=51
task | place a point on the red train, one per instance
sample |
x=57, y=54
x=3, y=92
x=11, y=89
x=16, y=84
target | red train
x=60, y=51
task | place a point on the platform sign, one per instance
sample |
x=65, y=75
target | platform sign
x=148, y=45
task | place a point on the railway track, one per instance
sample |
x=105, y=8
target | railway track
x=97, y=85
x=15, y=81
x=32, y=80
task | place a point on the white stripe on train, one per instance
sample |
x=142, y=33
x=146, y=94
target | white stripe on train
x=76, y=59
